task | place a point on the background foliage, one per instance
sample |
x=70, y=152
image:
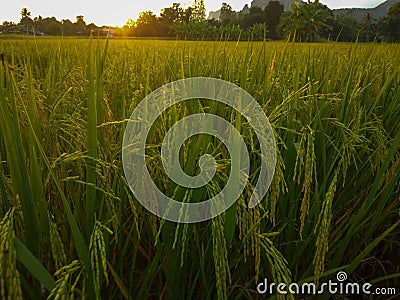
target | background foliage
x=305, y=21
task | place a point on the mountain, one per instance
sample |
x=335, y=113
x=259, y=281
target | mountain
x=376, y=12
x=214, y=15
x=264, y=3
x=258, y=3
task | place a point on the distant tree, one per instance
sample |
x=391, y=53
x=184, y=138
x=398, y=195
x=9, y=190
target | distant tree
x=26, y=21
x=38, y=24
x=172, y=15
x=169, y=17
x=273, y=12
x=8, y=23
x=67, y=27
x=94, y=30
x=130, y=23
x=38, y=19
x=80, y=19
x=227, y=15
x=146, y=24
x=198, y=11
x=255, y=16
x=183, y=29
x=25, y=13
x=389, y=26
x=213, y=29
x=80, y=24
x=8, y=27
x=51, y=26
x=129, y=28
x=346, y=28
x=187, y=15
x=232, y=32
x=197, y=30
x=258, y=32
x=213, y=23
x=306, y=22
x=368, y=28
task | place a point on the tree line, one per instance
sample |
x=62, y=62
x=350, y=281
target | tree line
x=305, y=21
x=50, y=26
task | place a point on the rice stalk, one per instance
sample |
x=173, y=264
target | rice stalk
x=322, y=229
x=98, y=256
x=57, y=246
x=10, y=282
x=67, y=286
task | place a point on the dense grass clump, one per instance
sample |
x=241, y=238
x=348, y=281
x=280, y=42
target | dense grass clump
x=71, y=227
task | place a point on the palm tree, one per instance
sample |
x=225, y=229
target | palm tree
x=389, y=26
x=306, y=22
x=25, y=18
x=25, y=13
x=368, y=28
x=290, y=22
x=259, y=31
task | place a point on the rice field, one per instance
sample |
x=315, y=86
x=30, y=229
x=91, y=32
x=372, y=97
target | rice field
x=71, y=228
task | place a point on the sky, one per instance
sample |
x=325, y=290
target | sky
x=117, y=12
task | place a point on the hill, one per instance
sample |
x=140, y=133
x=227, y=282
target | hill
x=264, y=3
x=376, y=12
x=258, y=3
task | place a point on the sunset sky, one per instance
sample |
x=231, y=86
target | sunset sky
x=117, y=12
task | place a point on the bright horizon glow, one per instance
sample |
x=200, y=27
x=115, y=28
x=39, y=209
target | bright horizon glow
x=117, y=12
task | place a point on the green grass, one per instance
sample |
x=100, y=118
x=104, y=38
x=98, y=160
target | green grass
x=71, y=227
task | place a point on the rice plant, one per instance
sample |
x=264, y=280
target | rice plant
x=71, y=228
